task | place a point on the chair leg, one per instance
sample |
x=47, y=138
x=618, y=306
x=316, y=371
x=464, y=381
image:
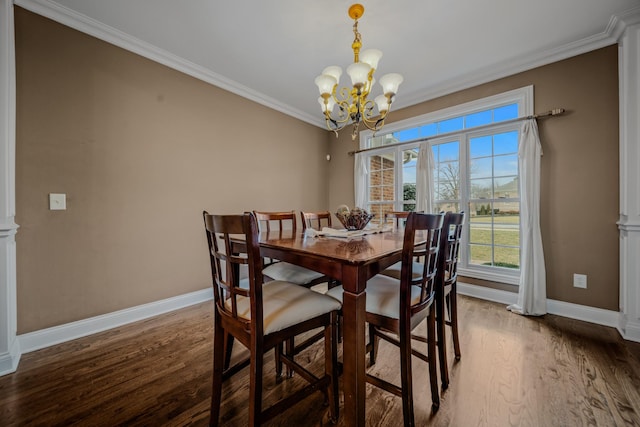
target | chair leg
x=406, y=378
x=431, y=354
x=255, y=387
x=228, y=349
x=331, y=366
x=442, y=341
x=290, y=349
x=453, y=314
x=277, y=352
x=373, y=342
x=219, y=338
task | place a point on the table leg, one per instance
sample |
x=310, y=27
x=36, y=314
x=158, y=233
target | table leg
x=354, y=313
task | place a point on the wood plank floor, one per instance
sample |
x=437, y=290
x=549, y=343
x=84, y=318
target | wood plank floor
x=515, y=371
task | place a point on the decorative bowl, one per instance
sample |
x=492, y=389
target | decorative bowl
x=357, y=219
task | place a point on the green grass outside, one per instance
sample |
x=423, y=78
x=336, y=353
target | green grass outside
x=505, y=257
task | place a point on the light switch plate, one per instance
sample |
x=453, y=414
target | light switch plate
x=580, y=281
x=57, y=201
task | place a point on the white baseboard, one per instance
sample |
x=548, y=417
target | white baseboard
x=47, y=337
x=630, y=329
x=560, y=308
x=9, y=360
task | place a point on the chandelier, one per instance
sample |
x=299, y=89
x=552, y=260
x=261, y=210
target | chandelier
x=354, y=105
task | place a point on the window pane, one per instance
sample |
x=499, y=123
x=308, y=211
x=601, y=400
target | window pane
x=409, y=207
x=503, y=234
x=506, y=188
x=505, y=143
x=480, y=254
x=480, y=147
x=506, y=229
x=481, y=188
x=375, y=163
x=505, y=165
x=477, y=119
x=480, y=233
x=379, y=141
x=507, y=213
x=507, y=112
x=446, y=207
x=375, y=193
x=507, y=257
x=429, y=130
x=451, y=125
x=407, y=135
x=448, y=181
x=481, y=168
x=480, y=212
x=409, y=162
x=379, y=210
x=388, y=193
x=448, y=151
x=447, y=190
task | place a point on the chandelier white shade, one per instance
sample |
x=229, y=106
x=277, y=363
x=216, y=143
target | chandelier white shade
x=354, y=105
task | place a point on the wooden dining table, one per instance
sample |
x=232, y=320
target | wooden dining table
x=352, y=261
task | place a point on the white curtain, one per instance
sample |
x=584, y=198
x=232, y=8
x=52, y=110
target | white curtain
x=532, y=296
x=360, y=180
x=424, y=179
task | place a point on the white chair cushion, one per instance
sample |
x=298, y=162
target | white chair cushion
x=383, y=295
x=286, y=304
x=395, y=269
x=291, y=273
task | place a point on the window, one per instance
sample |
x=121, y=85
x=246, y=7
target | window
x=475, y=154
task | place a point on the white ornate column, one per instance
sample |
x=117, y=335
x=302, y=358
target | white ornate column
x=629, y=223
x=9, y=348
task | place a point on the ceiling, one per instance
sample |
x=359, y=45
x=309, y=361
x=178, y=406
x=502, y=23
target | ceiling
x=271, y=51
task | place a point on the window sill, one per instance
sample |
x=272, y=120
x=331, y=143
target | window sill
x=492, y=276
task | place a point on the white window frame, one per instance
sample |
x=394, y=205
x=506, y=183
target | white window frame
x=524, y=98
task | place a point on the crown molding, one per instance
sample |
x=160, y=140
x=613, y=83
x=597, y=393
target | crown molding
x=83, y=23
x=87, y=25
x=611, y=35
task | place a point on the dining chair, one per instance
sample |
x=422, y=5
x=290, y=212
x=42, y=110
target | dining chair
x=397, y=218
x=261, y=317
x=394, y=308
x=315, y=220
x=280, y=270
x=446, y=292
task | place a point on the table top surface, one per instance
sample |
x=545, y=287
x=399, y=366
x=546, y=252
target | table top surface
x=354, y=250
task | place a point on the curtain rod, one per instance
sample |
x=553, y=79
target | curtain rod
x=550, y=113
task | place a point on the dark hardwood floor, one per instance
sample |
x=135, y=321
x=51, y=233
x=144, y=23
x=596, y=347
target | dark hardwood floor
x=515, y=371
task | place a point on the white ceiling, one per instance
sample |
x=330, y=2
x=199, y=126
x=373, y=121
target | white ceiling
x=271, y=50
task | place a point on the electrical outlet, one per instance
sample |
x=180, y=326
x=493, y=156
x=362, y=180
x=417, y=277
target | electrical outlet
x=580, y=281
x=57, y=201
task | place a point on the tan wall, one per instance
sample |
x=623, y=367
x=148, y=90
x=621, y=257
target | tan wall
x=579, y=182
x=140, y=150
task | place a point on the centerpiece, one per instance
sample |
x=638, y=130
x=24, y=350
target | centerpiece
x=353, y=219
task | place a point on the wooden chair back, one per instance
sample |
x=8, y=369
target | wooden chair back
x=228, y=254
x=283, y=220
x=399, y=218
x=315, y=220
x=450, y=247
x=421, y=239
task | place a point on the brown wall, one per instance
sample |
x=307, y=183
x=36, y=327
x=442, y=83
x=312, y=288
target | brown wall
x=579, y=182
x=140, y=150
